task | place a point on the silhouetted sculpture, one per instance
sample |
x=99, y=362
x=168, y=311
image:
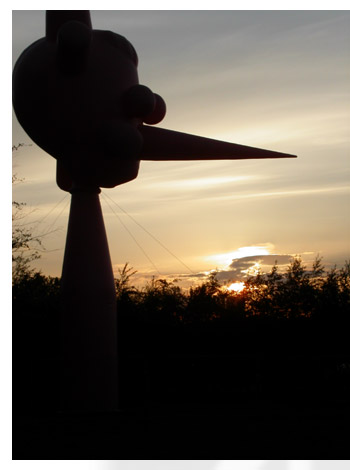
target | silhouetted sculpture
x=76, y=93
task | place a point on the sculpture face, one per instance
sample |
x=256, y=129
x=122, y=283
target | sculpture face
x=76, y=94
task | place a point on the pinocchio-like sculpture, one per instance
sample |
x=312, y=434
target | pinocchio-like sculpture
x=77, y=95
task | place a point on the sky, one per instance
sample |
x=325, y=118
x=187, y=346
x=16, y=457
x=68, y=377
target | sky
x=271, y=79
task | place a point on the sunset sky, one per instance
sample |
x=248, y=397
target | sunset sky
x=271, y=79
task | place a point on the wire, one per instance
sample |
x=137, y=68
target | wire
x=152, y=236
x=53, y=223
x=132, y=236
x=38, y=222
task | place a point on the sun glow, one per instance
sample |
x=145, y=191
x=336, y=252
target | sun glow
x=225, y=259
x=235, y=287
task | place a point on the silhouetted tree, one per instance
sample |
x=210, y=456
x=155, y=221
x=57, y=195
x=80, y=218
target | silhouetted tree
x=128, y=297
x=163, y=301
x=264, y=294
x=334, y=297
x=206, y=302
x=122, y=283
x=34, y=294
x=299, y=293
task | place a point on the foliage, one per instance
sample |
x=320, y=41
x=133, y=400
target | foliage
x=335, y=293
x=122, y=283
x=162, y=301
x=299, y=293
x=206, y=301
x=25, y=245
x=35, y=294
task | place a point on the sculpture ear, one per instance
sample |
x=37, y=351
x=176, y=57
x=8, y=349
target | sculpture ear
x=57, y=18
x=73, y=41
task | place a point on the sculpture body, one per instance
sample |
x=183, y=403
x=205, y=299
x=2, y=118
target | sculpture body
x=76, y=93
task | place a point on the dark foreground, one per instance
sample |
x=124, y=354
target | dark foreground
x=242, y=431
x=242, y=391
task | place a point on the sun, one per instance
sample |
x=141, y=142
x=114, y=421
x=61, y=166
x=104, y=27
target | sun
x=235, y=287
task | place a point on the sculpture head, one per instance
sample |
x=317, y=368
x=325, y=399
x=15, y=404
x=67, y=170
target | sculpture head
x=76, y=94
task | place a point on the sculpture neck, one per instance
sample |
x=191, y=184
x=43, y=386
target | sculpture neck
x=84, y=188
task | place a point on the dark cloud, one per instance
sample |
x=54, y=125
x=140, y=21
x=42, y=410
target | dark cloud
x=244, y=263
x=234, y=273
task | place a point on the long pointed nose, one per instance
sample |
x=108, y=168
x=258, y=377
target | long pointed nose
x=162, y=144
x=56, y=18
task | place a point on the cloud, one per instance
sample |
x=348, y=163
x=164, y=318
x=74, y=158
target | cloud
x=243, y=263
x=248, y=265
x=239, y=269
x=277, y=194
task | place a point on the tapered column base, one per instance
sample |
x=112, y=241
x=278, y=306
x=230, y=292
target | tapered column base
x=88, y=321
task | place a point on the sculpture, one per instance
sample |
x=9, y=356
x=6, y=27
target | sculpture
x=76, y=93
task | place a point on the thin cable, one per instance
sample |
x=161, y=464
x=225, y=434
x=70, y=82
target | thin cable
x=131, y=235
x=152, y=236
x=39, y=221
x=53, y=223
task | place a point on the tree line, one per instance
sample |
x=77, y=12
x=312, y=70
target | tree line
x=295, y=293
